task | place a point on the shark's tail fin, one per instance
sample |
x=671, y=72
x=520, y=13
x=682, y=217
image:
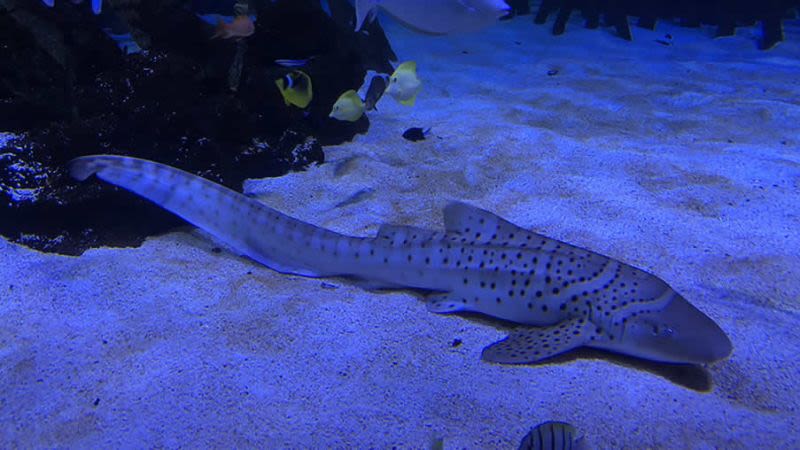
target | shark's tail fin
x=84, y=167
x=243, y=223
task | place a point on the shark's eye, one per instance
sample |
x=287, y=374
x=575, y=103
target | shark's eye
x=662, y=331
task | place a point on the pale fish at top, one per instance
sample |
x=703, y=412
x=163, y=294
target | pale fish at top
x=404, y=84
x=562, y=296
x=436, y=16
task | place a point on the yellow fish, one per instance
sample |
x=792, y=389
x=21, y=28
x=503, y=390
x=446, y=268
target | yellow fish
x=552, y=436
x=296, y=89
x=348, y=107
x=404, y=84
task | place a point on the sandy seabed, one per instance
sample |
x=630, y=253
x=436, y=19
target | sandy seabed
x=683, y=160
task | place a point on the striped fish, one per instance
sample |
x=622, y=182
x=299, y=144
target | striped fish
x=552, y=436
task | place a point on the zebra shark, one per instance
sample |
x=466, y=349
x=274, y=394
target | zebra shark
x=561, y=296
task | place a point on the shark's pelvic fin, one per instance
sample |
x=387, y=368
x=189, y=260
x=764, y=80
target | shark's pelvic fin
x=481, y=227
x=446, y=303
x=533, y=344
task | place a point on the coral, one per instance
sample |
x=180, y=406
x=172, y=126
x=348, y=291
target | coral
x=207, y=106
x=725, y=15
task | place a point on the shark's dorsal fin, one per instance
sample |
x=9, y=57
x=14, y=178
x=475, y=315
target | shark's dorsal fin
x=476, y=226
x=400, y=235
x=532, y=344
x=481, y=227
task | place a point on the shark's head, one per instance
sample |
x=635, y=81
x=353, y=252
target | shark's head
x=679, y=333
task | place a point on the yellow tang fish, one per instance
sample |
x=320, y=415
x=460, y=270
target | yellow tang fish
x=348, y=107
x=404, y=84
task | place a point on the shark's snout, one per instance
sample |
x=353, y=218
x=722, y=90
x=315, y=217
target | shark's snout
x=679, y=333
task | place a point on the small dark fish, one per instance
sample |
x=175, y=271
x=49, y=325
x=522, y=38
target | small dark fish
x=377, y=86
x=552, y=436
x=552, y=72
x=415, y=134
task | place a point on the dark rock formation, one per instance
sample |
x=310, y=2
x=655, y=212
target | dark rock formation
x=207, y=106
x=519, y=7
x=726, y=15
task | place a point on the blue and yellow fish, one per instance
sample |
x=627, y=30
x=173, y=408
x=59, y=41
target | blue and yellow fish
x=295, y=88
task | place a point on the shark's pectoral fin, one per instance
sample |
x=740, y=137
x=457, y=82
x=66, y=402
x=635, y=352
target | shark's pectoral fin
x=532, y=344
x=446, y=303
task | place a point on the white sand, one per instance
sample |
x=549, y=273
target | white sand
x=682, y=160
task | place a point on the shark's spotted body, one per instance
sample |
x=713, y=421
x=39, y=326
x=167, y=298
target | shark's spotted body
x=565, y=296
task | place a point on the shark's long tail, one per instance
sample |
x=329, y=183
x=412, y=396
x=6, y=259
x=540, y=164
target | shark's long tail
x=246, y=225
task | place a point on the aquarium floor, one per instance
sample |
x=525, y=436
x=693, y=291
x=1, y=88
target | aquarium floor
x=683, y=160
